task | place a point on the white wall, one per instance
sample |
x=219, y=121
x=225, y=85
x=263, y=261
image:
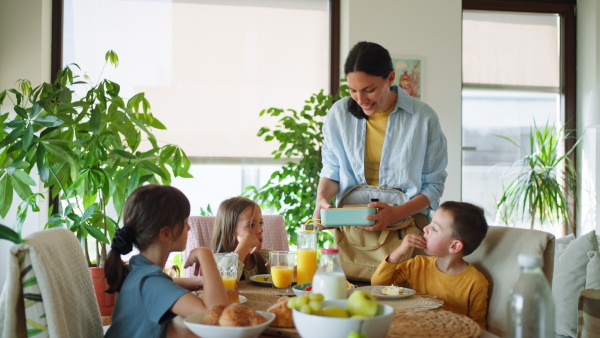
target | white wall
x=431, y=30
x=25, y=45
x=588, y=112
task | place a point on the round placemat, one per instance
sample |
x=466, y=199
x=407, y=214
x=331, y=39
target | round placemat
x=442, y=324
x=415, y=303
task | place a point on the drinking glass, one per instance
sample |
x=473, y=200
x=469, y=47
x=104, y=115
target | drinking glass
x=282, y=269
x=227, y=263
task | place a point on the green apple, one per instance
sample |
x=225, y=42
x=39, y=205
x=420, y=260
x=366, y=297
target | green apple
x=356, y=334
x=334, y=311
x=361, y=303
x=358, y=316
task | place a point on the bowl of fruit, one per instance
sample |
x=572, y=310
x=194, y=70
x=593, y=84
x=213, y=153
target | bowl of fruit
x=360, y=315
x=300, y=289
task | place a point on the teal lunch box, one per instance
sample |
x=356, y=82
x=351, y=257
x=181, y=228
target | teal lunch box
x=336, y=217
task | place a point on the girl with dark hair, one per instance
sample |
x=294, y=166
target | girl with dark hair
x=155, y=221
x=381, y=136
x=239, y=228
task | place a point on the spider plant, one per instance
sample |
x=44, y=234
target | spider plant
x=545, y=182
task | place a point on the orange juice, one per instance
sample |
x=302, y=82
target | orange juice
x=307, y=265
x=282, y=276
x=229, y=283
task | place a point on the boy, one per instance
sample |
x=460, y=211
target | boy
x=456, y=231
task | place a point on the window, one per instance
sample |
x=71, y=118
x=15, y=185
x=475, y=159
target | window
x=208, y=68
x=518, y=67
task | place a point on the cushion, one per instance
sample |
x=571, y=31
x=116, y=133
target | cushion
x=588, y=321
x=569, y=280
x=561, y=244
x=592, y=279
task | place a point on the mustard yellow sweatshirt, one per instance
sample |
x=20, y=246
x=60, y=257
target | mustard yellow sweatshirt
x=465, y=293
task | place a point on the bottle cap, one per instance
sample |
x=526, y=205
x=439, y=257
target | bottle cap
x=530, y=261
x=307, y=227
x=329, y=251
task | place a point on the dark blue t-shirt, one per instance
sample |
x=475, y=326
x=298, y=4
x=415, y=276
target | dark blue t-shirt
x=142, y=306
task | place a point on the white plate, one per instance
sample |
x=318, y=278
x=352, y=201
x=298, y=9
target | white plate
x=242, y=298
x=262, y=279
x=375, y=290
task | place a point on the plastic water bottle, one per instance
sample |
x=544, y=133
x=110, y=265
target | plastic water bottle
x=330, y=279
x=531, y=307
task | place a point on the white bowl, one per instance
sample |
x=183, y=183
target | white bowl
x=298, y=289
x=313, y=326
x=213, y=331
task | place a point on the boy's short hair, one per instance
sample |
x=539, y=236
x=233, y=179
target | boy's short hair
x=468, y=224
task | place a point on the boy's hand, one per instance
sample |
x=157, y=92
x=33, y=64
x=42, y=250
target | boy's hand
x=409, y=241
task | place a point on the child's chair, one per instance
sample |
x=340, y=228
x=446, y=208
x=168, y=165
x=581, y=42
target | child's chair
x=201, y=229
x=48, y=291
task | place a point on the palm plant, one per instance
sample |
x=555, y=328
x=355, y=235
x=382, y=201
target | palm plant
x=545, y=182
x=87, y=149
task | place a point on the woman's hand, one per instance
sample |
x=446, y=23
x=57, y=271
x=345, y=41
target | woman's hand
x=322, y=204
x=326, y=191
x=385, y=216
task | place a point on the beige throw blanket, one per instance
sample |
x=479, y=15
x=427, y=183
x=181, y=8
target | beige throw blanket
x=65, y=284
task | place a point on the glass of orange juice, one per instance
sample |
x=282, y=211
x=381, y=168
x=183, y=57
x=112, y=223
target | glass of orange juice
x=282, y=269
x=227, y=263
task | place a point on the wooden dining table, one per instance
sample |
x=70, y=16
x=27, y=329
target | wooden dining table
x=261, y=297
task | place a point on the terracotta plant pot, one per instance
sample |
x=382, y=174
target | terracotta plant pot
x=106, y=301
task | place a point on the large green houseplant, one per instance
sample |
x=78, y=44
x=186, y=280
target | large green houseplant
x=86, y=142
x=292, y=190
x=545, y=181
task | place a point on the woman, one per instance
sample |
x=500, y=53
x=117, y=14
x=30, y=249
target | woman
x=381, y=136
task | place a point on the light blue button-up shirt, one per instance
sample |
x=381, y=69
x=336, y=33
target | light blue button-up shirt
x=414, y=155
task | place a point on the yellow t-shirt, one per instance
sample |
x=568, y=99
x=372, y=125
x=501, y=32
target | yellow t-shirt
x=465, y=293
x=376, y=126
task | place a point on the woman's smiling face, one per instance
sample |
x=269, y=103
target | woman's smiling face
x=372, y=93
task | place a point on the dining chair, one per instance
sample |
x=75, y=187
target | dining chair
x=48, y=291
x=201, y=229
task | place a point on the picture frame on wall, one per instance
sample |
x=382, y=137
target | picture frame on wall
x=408, y=75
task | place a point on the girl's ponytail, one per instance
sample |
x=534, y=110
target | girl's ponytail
x=115, y=269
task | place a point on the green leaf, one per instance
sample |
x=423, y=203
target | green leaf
x=27, y=137
x=134, y=181
x=112, y=57
x=23, y=177
x=88, y=212
x=95, y=120
x=9, y=234
x=154, y=168
x=124, y=154
x=7, y=198
x=21, y=112
x=48, y=121
x=14, y=134
x=96, y=233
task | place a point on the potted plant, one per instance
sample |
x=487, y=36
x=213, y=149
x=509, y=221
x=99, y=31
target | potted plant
x=544, y=182
x=85, y=140
x=292, y=190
